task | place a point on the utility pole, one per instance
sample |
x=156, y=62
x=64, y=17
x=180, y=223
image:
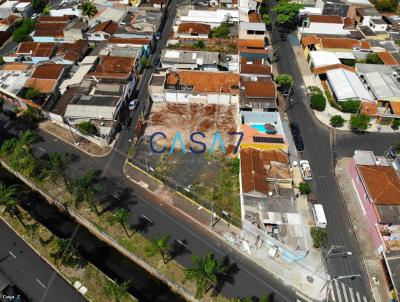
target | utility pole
x=331, y=252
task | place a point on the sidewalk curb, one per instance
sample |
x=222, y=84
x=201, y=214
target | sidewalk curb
x=77, y=147
x=353, y=229
x=272, y=273
x=43, y=258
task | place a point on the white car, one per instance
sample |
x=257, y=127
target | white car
x=133, y=104
x=305, y=169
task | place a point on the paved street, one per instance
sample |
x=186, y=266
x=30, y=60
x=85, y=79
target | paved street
x=319, y=152
x=31, y=273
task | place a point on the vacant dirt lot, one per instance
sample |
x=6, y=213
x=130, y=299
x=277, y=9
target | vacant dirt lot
x=170, y=118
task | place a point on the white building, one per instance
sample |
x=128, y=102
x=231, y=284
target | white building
x=213, y=18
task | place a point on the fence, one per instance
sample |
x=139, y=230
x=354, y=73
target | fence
x=188, y=192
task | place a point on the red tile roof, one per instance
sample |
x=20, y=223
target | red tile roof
x=256, y=167
x=205, y=81
x=194, y=28
x=48, y=33
x=387, y=58
x=254, y=17
x=324, y=69
x=53, y=19
x=109, y=27
x=50, y=26
x=48, y=71
x=309, y=40
x=369, y=108
x=113, y=67
x=251, y=43
x=254, y=68
x=10, y=19
x=382, y=183
x=259, y=89
x=326, y=19
x=36, y=49
x=43, y=85
x=340, y=43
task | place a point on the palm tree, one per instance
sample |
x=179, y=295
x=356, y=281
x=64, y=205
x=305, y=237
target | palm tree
x=58, y=164
x=27, y=138
x=83, y=189
x=64, y=250
x=10, y=203
x=120, y=216
x=204, y=272
x=115, y=291
x=88, y=8
x=159, y=245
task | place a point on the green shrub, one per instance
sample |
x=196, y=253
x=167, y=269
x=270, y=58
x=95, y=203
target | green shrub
x=386, y=5
x=337, y=121
x=350, y=106
x=284, y=80
x=373, y=58
x=359, y=122
x=396, y=124
x=87, y=128
x=8, y=146
x=318, y=102
x=314, y=90
x=31, y=93
x=221, y=31
x=304, y=188
x=22, y=32
x=319, y=236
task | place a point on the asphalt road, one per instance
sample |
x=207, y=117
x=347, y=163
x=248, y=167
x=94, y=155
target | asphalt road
x=30, y=272
x=319, y=152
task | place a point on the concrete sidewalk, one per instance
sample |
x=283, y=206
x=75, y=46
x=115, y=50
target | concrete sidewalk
x=325, y=116
x=371, y=259
x=307, y=276
x=75, y=140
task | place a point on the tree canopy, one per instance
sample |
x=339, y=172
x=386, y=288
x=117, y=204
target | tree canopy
x=287, y=12
x=22, y=32
x=359, y=122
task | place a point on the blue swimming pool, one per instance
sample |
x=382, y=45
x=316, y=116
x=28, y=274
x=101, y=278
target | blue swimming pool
x=259, y=127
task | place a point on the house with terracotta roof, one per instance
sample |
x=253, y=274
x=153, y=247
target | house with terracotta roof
x=255, y=69
x=258, y=95
x=32, y=52
x=65, y=29
x=205, y=87
x=102, y=31
x=71, y=53
x=7, y=27
x=45, y=79
x=193, y=31
x=144, y=43
x=377, y=183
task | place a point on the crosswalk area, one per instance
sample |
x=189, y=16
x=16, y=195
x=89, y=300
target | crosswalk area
x=342, y=293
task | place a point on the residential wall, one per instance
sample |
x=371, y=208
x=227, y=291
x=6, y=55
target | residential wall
x=366, y=204
x=211, y=98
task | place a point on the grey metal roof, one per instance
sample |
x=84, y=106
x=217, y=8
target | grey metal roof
x=252, y=26
x=365, y=68
x=382, y=85
x=190, y=57
x=389, y=46
x=368, y=11
x=335, y=8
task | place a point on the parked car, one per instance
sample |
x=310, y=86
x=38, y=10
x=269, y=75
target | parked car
x=10, y=292
x=133, y=105
x=158, y=35
x=283, y=36
x=298, y=141
x=305, y=170
x=294, y=128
